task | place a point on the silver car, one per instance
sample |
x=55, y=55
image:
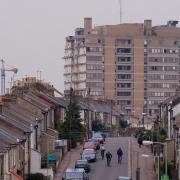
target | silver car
x=123, y=178
x=89, y=154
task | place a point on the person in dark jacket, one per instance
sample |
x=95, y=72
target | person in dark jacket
x=108, y=157
x=140, y=140
x=119, y=154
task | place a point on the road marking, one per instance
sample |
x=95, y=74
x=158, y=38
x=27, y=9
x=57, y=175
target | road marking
x=129, y=158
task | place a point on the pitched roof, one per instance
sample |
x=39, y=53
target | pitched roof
x=24, y=112
x=20, y=115
x=63, y=102
x=10, y=137
x=14, y=123
x=35, y=101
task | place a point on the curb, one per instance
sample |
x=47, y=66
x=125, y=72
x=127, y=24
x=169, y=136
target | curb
x=130, y=158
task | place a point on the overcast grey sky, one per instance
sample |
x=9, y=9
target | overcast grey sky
x=32, y=32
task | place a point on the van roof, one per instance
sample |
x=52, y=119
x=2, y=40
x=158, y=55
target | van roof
x=74, y=170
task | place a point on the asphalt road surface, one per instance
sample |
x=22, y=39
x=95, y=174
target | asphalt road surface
x=99, y=169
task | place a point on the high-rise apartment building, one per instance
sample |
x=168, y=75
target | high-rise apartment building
x=136, y=65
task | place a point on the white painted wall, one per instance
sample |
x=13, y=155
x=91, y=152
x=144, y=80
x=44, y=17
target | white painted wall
x=82, y=85
x=82, y=68
x=36, y=164
x=81, y=59
x=176, y=110
x=33, y=137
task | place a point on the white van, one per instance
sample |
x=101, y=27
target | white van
x=123, y=178
x=75, y=174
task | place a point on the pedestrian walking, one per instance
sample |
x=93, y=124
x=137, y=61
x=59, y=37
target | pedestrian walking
x=119, y=154
x=102, y=149
x=140, y=141
x=108, y=157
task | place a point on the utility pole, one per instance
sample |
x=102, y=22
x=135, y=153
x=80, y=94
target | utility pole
x=88, y=94
x=111, y=112
x=2, y=77
x=69, y=133
x=158, y=147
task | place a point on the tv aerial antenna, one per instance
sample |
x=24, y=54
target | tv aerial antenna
x=120, y=11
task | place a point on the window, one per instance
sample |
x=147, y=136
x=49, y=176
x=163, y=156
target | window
x=123, y=42
x=170, y=51
x=170, y=68
x=161, y=76
x=123, y=50
x=152, y=102
x=94, y=49
x=159, y=94
x=124, y=102
x=153, y=59
x=171, y=77
x=124, y=93
x=124, y=76
x=94, y=75
x=81, y=76
x=156, y=51
x=153, y=68
x=96, y=93
x=94, y=58
x=123, y=59
x=123, y=85
x=160, y=85
x=94, y=84
x=124, y=68
x=170, y=59
x=160, y=68
x=94, y=67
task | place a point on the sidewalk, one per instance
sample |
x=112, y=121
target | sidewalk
x=146, y=164
x=67, y=162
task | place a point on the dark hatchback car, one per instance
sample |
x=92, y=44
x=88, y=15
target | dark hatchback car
x=83, y=163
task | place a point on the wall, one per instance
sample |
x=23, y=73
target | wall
x=36, y=164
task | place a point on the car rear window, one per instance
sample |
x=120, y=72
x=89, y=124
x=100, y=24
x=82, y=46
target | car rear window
x=88, y=151
x=88, y=144
x=81, y=162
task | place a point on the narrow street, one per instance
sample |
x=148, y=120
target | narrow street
x=99, y=169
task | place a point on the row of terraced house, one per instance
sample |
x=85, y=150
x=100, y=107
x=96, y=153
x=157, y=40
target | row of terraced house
x=169, y=119
x=29, y=119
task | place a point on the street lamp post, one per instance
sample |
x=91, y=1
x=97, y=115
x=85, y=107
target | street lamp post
x=88, y=136
x=111, y=113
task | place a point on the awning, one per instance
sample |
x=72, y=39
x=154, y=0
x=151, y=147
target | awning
x=52, y=157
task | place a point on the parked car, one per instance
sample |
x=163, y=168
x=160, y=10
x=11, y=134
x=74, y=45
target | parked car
x=89, y=145
x=74, y=174
x=89, y=154
x=123, y=178
x=83, y=163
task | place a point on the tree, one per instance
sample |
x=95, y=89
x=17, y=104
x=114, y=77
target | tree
x=72, y=128
x=123, y=123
